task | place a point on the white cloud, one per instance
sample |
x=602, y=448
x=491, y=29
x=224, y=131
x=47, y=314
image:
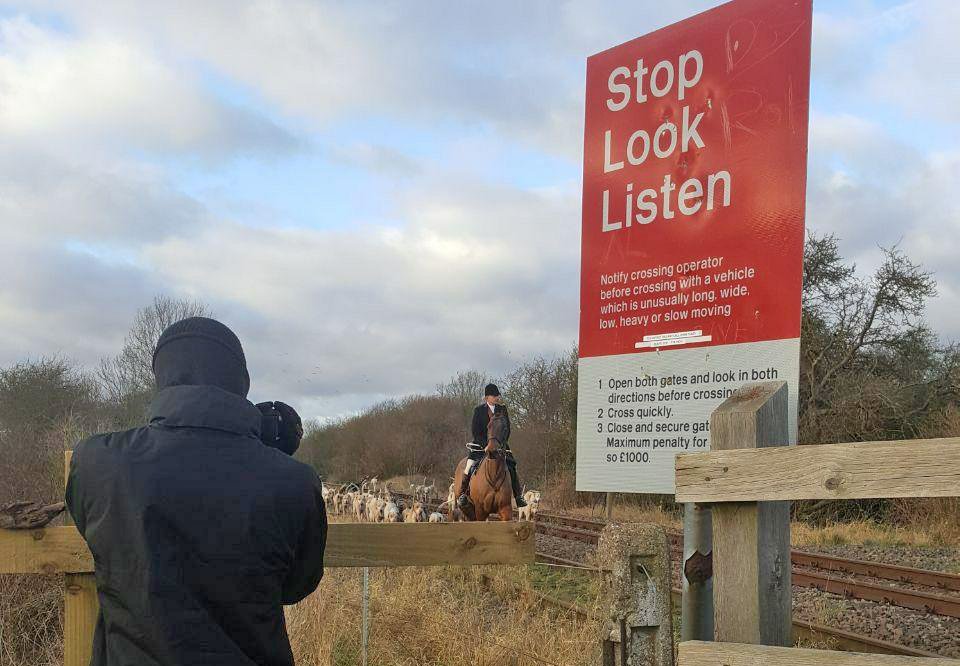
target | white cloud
x=478, y=278
x=473, y=273
x=49, y=198
x=872, y=190
x=516, y=67
x=845, y=40
x=917, y=73
x=104, y=93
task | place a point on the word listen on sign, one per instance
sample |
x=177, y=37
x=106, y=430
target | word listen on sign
x=694, y=194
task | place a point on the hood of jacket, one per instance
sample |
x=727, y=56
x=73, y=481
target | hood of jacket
x=205, y=407
x=199, y=351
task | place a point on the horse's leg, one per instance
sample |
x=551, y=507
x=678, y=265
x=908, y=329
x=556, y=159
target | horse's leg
x=505, y=512
x=480, y=492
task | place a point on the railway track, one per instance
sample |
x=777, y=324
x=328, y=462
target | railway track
x=817, y=571
x=826, y=573
x=823, y=572
x=933, y=579
x=841, y=638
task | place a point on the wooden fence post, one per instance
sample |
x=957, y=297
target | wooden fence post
x=637, y=559
x=80, y=606
x=751, y=540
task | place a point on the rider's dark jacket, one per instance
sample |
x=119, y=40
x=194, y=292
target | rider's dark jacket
x=481, y=417
x=199, y=532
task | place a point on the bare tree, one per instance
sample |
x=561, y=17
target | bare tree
x=542, y=396
x=864, y=340
x=465, y=390
x=127, y=378
x=36, y=395
x=870, y=367
x=45, y=406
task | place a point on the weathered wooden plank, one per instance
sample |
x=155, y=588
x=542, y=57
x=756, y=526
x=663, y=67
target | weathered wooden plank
x=736, y=606
x=699, y=653
x=44, y=551
x=80, y=603
x=859, y=470
x=62, y=549
x=751, y=541
x=429, y=544
x=80, y=611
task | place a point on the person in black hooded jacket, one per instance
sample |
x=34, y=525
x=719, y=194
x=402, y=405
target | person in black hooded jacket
x=199, y=533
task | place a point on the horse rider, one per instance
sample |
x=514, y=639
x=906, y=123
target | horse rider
x=481, y=418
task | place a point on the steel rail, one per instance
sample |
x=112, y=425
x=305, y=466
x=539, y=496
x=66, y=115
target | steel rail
x=898, y=596
x=575, y=529
x=810, y=631
x=893, y=572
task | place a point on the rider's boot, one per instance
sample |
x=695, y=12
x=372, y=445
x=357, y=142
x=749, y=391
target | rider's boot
x=463, y=498
x=517, y=490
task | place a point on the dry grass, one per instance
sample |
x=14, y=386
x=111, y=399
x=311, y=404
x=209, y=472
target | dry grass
x=31, y=620
x=438, y=616
x=636, y=513
x=31, y=607
x=826, y=611
x=922, y=524
x=441, y=616
x=938, y=519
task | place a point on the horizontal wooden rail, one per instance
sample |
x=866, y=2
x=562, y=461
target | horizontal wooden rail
x=699, y=653
x=429, y=544
x=860, y=470
x=48, y=550
x=63, y=550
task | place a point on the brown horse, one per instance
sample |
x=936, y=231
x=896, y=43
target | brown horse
x=490, y=490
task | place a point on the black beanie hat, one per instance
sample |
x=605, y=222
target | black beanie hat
x=201, y=351
x=491, y=389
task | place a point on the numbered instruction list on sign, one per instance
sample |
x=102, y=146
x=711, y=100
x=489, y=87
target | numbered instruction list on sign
x=693, y=230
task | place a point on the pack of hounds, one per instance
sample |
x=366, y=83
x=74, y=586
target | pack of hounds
x=373, y=501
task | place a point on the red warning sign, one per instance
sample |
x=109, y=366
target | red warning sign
x=694, y=178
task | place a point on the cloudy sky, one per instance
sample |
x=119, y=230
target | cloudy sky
x=375, y=195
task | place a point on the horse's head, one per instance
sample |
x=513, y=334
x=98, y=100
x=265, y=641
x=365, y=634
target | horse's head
x=496, y=431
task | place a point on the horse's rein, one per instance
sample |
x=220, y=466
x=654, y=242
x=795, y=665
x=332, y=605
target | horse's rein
x=491, y=436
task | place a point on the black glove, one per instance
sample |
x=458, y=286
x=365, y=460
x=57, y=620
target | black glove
x=280, y=426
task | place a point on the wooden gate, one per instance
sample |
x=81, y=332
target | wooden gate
x=62, y=550
x=746, y=555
